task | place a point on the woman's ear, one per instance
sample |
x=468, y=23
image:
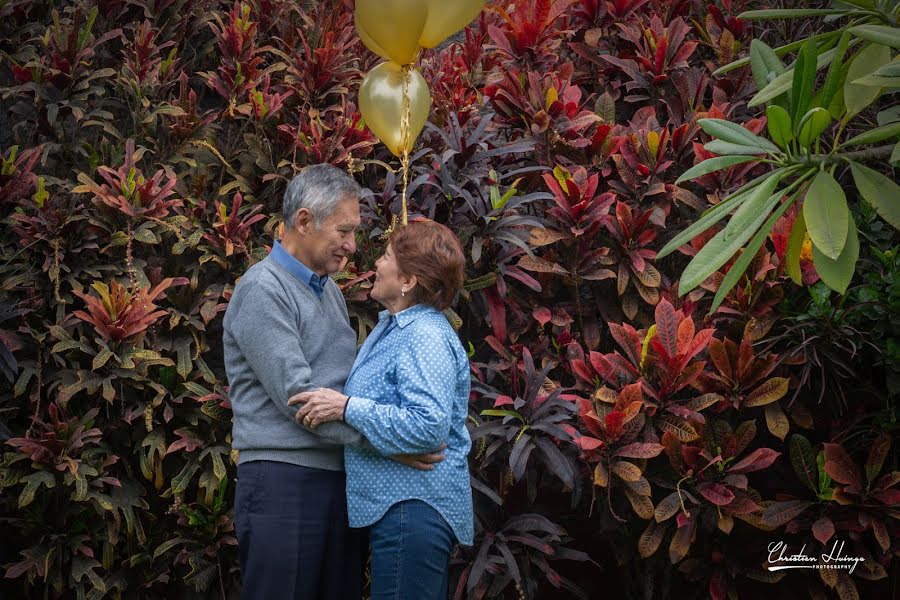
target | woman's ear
x=410, y=282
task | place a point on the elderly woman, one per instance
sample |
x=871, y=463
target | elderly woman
x=408, y=393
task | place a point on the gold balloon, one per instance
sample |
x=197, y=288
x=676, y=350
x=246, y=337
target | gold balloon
x=393, y=25
x=368, y=41
x=381, y=104
x=446, y=17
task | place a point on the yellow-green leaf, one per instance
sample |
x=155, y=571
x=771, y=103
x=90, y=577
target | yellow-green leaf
x=794, y=249
x=725, y=244
x=777, y=421
x=826, y=214
x=837, y=273
x=880, y=34
x=811, y=126
x=868, y=60
x=770, y=391
x=880, y=191
x=778, y=122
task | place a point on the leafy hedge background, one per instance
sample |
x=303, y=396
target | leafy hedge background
x=626, y=442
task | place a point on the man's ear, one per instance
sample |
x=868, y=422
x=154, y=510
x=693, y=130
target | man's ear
x=303, y=220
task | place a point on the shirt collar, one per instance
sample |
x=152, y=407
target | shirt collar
x=407, y=315
x=298, y=269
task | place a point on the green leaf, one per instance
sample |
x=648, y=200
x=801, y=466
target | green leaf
x=833, y=79
x=101, y=359
x=794, y=248
x=826, y=214
x=168, y=545
x=713, y=216
x=789, y=13
x=868, y=60
x=877, y=81
x=892, y=69
x=496, y=412
x=824, y=478
x=181, y=481
x=812, y=125
x=804, y=461
x=711, y=165
x=880, y=34
x=146, y=235
x=183, y=352
x=895, y=156
x=740, y=265
x=880, y=191
x=764, y=63
x=804, y=81
x=837, y=273
x=778, y=122
x=780, y=51
x=888, y=115
x=735, y=134
x=783, y=82
x=739, y=229
x=729, y=149
x=32, y=483
x=879, y=134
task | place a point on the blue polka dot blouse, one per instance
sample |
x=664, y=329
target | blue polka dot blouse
x=409, y=391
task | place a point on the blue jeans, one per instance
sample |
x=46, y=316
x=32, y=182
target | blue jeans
x=411, y=547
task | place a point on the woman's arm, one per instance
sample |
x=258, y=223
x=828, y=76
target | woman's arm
x=426, y=371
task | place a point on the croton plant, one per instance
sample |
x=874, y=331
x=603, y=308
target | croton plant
x=682, y=296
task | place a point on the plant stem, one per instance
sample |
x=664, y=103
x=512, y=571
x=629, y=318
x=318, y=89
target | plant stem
x=814, y=160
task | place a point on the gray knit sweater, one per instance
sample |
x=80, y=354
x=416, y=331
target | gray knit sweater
x=281, y=339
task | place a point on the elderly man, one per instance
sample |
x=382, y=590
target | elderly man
x=286, y=331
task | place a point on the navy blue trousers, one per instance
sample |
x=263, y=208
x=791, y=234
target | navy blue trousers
x=411, y=547
x=293, y=537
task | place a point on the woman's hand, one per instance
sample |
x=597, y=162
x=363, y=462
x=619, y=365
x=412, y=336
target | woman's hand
x=319, y=406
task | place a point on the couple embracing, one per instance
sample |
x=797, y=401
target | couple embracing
x=338, y=450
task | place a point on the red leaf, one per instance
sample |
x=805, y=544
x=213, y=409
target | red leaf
x=759, y=459
x=667, y=327
x=497, y=313
x=589, y=443
x=888, y=497
x=614, y=422
x=716, y=493
x=840, y=466
x=685, y=335
x=742, y=504
x=503, y=401
x=542, y=315
x=823, y=529
x=640, y=450
x=719, y=357
x=717, y=588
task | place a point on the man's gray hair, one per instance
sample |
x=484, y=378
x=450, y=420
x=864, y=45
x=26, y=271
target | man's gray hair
x=318, y=189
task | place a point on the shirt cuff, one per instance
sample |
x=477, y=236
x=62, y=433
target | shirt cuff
x=356, y=409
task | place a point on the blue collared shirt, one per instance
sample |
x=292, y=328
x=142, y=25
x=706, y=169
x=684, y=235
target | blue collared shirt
x=299, y=270
x=410, y=393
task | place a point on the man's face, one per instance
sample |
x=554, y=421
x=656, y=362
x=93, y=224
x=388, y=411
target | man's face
x=335, y=238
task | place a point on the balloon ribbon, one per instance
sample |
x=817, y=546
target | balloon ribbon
x=404, y=137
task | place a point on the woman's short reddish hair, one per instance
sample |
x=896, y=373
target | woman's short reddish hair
x=432, y=253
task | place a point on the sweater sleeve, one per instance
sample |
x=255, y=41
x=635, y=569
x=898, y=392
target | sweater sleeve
x=268, y=337
x=425, y=387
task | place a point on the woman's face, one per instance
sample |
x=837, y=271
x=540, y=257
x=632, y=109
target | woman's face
x=389, y=281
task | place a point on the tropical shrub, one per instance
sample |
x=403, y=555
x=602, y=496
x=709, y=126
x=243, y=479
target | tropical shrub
x=657, y=396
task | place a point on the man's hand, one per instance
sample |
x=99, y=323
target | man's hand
x=319, y=406
x=422, y=462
